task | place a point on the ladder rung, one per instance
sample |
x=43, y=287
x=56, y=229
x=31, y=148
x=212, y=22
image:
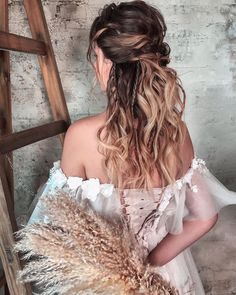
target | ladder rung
x=11, y=142
x=14, y=42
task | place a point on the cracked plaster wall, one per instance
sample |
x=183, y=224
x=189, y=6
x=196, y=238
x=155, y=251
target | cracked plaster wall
x=202, y=37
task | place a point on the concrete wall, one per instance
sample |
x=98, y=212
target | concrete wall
x=202, y=36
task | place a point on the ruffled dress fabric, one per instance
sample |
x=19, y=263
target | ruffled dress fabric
x=198, y=195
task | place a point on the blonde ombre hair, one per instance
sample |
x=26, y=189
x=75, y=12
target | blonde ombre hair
x=141, y=88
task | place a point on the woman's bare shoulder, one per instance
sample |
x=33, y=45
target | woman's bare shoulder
x=79, y=140
x=85, y=125
x=187, y=149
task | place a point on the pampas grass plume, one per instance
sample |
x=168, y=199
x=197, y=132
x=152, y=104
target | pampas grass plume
x=81, y=252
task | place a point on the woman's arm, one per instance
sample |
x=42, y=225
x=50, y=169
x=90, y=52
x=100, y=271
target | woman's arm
x=172, y=245
x=73, y=150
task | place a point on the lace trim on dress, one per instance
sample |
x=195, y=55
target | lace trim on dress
x=91, y=188
x=196, y=163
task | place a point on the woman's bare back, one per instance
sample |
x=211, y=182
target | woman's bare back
x=80, y=156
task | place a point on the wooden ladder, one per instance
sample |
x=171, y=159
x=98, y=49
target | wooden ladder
x=9, y=141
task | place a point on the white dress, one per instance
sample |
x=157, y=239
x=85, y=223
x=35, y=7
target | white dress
x=198, y=195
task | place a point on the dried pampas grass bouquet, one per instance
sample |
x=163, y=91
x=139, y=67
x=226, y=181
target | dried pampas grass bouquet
x=80, y=252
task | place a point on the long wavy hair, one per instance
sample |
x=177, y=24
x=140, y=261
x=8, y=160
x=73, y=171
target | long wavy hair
x=142, y=88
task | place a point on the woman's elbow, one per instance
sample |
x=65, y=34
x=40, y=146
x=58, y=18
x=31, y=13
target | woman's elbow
x=209, y=224
x=193, y=230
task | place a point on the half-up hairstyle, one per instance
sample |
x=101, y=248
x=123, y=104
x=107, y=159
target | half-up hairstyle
x=142, y=89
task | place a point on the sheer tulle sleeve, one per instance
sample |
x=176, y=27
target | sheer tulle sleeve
x=55, y=182
x=198, y=195
x=101, y=196
x=199, y=198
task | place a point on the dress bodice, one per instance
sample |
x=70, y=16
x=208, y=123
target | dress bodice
x=198, y=195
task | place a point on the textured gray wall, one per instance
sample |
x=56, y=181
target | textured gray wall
x=202, y=36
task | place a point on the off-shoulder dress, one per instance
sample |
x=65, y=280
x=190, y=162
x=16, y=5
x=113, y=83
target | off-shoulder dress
x=198, y=195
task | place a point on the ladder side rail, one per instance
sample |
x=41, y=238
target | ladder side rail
x=52, y=81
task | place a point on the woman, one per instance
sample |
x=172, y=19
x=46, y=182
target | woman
x=141, y=146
